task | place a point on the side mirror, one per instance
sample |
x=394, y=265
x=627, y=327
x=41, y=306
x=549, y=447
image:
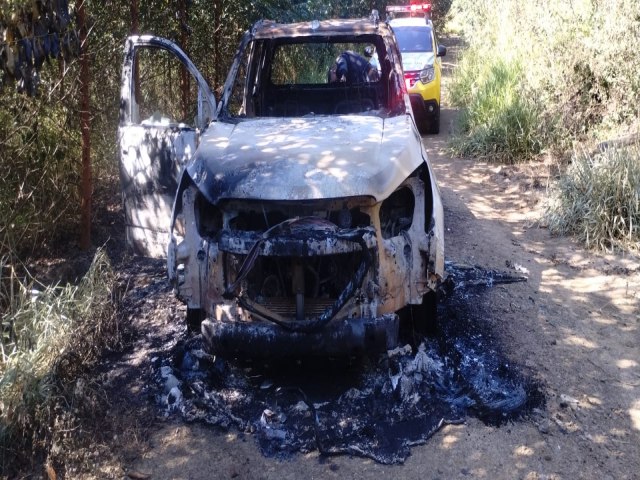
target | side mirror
x=442, y=51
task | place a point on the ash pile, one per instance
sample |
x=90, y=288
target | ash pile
x=373, y=407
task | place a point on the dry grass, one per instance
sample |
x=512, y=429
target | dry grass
x=39, y=152
x=51, y=336
x=498, y=120
x=597, y=199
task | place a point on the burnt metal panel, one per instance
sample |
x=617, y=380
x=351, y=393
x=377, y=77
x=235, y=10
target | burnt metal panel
x=153, y=154
x=323, y=157
x=259, y=339
x=307, y=245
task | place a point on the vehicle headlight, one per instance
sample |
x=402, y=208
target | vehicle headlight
x=427, y=74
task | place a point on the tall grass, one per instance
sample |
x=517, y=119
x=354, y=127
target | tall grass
x=498, y=121
x=572, y=67
x=50, y=336
x=598, y=200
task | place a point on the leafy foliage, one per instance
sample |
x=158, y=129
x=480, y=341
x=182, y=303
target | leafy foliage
x=499, y=121
x=39, y=155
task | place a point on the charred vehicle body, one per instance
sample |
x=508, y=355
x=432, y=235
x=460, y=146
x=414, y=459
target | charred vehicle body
x=298, y=215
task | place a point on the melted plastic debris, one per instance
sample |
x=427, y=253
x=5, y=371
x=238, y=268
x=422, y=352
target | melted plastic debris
x=465, y=277
x=376, y=408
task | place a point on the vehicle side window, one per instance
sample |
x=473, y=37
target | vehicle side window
x=165, y=93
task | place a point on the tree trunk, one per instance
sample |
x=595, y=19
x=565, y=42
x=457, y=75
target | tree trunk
x=217, y=9
x=135, y=29
x=184, y=73
x=85, y=126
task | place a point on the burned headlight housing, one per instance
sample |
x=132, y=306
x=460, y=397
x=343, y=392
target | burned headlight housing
x=208, y=217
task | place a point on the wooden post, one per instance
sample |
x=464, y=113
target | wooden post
x=134, y=17
x=86, y=190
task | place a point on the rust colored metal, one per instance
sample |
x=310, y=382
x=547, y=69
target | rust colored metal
x=85, y=125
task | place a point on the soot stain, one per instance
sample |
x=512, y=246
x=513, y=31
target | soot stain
x=371, y=407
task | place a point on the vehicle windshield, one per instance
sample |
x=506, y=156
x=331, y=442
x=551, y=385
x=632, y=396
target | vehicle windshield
x=313, y=63
x=295, y=77
x=414, y=38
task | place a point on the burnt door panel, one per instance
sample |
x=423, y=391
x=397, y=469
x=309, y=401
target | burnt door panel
x=162, y=112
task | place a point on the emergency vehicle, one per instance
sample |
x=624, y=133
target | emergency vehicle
x=421, y=61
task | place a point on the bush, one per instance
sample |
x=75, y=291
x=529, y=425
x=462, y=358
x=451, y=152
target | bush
x=39, y=157
x=598, y=200
x=50, y=336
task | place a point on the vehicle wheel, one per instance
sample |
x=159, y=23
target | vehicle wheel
x=425, y=316
x=430, y=312
x=422, y=123
x=434, y=127
x=194, y=319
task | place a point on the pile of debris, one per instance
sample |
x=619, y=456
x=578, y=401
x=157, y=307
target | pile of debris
x=376, y=408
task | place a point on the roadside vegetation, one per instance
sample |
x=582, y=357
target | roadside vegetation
x=498, y=120
x=554, y=79
x=598, y=199
x=51, y=337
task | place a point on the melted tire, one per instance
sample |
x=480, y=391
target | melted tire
x=434, y=127
x=194, y=319
x=421, y=321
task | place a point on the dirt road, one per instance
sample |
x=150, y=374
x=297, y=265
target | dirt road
x=574, y=326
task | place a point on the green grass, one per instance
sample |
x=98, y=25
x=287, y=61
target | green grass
x=598, y=200
x=560, y=72
x=499, y=119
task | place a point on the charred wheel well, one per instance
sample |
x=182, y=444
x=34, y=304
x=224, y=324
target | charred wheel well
x=397, y=211
x=422, y=172
x=209, y=218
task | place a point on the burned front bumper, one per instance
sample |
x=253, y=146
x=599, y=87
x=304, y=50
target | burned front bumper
x=353, y=336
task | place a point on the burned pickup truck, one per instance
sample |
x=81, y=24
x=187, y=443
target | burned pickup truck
x=299, y=214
